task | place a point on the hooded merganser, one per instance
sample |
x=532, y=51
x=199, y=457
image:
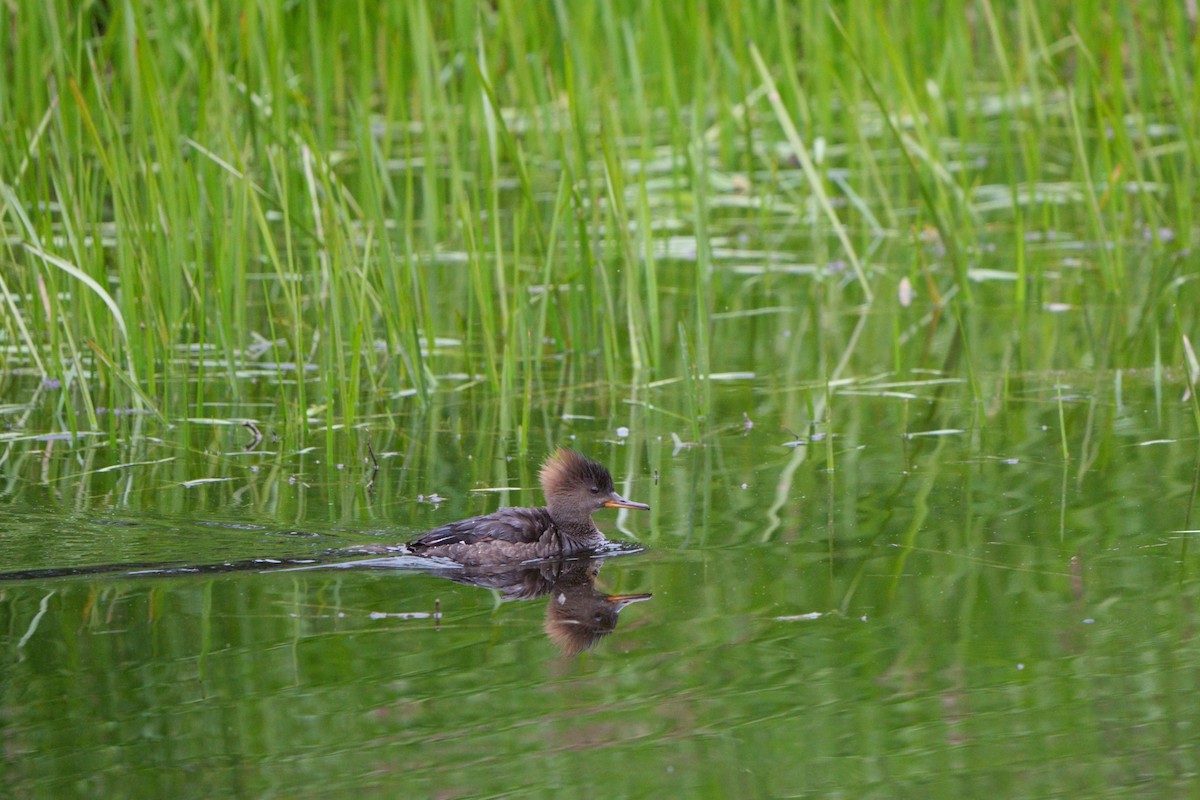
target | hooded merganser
x=575, y=487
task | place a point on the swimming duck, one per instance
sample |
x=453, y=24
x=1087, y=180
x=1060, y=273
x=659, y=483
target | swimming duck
x=575, y=488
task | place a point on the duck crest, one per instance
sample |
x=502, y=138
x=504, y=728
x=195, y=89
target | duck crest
x=565, y=468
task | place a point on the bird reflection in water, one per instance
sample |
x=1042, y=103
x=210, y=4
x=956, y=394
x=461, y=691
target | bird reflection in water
x=578, y=615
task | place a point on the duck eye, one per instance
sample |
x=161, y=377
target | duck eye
x=595, y=490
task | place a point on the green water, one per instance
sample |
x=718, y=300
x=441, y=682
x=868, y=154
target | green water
x=869, y=612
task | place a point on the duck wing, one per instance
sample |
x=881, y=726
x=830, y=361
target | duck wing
x=516, y=525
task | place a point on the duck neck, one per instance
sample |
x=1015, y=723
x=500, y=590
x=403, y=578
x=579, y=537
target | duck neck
x=576, y=534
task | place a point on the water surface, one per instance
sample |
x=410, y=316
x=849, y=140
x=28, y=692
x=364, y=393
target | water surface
x=906, y=596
